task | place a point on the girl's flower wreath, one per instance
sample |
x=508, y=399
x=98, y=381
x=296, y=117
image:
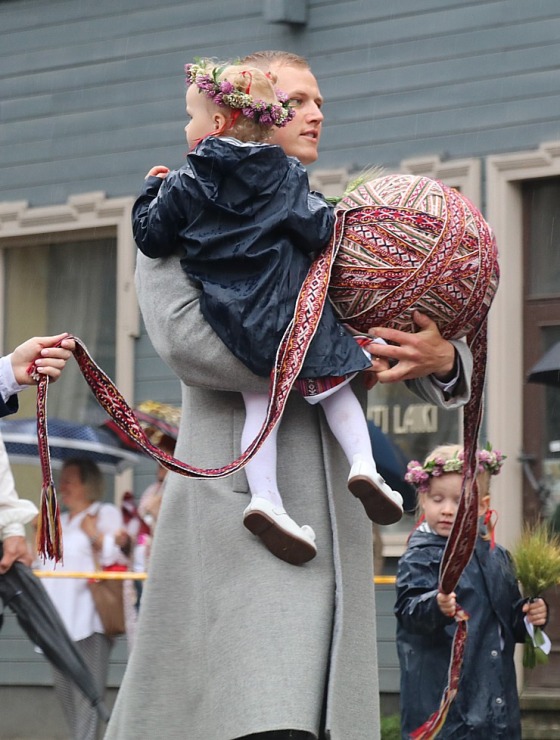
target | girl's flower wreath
x=419, y=474
x=226, y=95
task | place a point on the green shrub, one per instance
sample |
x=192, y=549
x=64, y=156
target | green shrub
x=391, y=727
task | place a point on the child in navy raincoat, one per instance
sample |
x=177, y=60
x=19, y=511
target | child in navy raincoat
x=249, y=227
x=486, y=705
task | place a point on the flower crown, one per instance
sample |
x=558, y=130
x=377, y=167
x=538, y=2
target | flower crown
x=419, y=475
x=226, y=95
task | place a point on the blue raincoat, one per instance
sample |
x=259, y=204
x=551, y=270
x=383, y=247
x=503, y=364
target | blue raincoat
x=486, y=705
x=249, y=227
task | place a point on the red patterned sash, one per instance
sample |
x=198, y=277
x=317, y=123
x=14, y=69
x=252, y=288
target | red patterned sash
x=288, y=363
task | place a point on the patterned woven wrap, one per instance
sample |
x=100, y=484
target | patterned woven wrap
x=400, y=243
x=411, y=243
x=407, y=243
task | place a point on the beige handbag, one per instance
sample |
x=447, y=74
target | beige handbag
x=108, y=597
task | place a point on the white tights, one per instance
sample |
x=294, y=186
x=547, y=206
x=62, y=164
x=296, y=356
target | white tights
x=345, y=418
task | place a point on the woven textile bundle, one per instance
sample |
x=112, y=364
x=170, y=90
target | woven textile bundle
x=403, y=243
x=413, y=243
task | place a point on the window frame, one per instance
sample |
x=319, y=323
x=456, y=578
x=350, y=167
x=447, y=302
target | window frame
x=87, y=215
x=504, y=176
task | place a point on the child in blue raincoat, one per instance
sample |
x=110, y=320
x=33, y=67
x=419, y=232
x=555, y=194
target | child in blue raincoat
x=249, y=227
x=486, y=705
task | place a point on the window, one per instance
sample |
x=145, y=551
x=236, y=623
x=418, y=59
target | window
x=511, y=401
x=70, y=268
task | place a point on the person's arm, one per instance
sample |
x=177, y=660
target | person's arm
x=41, y=356
x=450, y=396
x=102, y=526
x=169, y=302
x=309, y=218
x=47, y=354
x=158, y=213
x=437, y=370
x=14, y=514
x=417, y=606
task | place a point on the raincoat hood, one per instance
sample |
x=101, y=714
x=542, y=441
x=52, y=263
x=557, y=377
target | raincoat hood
x=239, y=175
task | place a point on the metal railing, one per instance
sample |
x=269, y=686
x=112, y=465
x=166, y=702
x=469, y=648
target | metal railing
x=110, y=575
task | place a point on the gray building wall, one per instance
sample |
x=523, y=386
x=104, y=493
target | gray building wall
x=92, y=95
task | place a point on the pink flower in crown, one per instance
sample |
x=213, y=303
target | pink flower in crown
x=419, y=475
x=438, y=464
x=416, y=474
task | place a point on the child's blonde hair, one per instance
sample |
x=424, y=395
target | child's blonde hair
x=247, y=92
x=444, y=456
x=262, y=88
x=447, y=452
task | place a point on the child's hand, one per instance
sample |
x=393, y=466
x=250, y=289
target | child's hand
x=447, y=604
x=159, y=170
x=536, y=612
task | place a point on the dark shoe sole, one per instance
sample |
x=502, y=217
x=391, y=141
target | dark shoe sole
x=379, y=508
x=280, y=543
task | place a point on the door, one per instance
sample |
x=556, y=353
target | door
x=541, y=404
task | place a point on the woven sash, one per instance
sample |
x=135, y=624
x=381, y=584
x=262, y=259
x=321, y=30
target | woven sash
x=400, y=243
x=288, y=363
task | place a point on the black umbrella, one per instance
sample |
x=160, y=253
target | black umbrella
x=547, y=369
x=391, y=464
x=67, y=439
x=26, y=596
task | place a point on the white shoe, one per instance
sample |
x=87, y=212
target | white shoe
x=279, y=533
x=382, y=504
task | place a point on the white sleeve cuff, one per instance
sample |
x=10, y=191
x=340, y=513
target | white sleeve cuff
x=14, y=517
x=8, y=384
x=448, y=385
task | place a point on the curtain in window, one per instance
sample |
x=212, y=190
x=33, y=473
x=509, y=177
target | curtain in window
x=64, y=287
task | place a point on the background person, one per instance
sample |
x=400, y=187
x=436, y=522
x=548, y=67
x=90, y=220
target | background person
x=486, y=705
x=88, y=531
x=231, y=644
x=15, y=513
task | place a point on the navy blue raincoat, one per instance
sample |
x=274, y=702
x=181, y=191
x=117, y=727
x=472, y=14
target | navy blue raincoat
x=8, y=407
x=249, y=227
x=486, y=706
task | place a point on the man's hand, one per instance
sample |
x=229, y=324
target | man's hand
x=15, y=548
x=416, y=355
x=42, y=352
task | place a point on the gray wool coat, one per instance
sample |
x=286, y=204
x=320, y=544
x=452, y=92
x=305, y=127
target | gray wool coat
x=232, y=641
